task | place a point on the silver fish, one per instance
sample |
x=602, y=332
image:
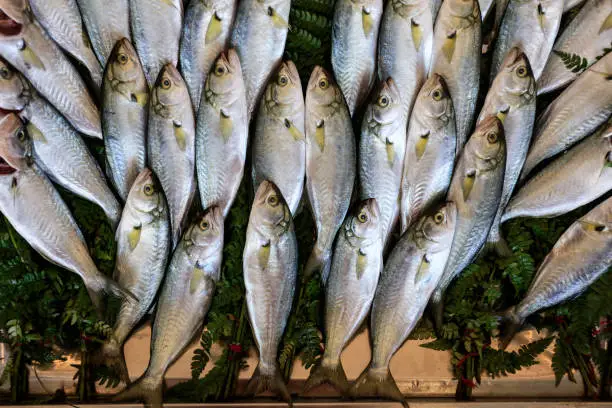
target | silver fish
x=530, y=25
x=581, y=255
x=410, y=275
x=59, y=150
x=430, y=151
x=561, y=125
x=156, y=31
x=259, y=36
x=222, y=133
x=476, y=190
x=37, y=212
x=353, y=50
x=381, y=154
x=270, y=275
x=356, y=266
x=572, y=180
x=124, y=116
x=64, y=25
x=206, y=34
x=570, y=4
x=171, y=145
x=512, y=99
x=587, y=35
x=106, y=22
x=25, y=45
x=330, y=164
x=279, y=149
x=143, y=245
x=456, y=57
x=435, y=8
x=184, y=300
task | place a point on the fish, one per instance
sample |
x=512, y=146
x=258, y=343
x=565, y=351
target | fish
x=586, y=37
x=156, y=33
x=579, y=257
x=184, y=301
x=410, y=275
x=125, y=102
x=430, y=151
x=405, y=42
x=353, y=50
x=222, y=133
x=26, y=46
x=279, y=144
x=456, y=57
x=330, y=164
x=206, y=33
x=356, y=265
x=570, y=181
x=106, y=22
x=532, y=26
x=259, y=35
x=32, y=205
x=570, y=4
x=561, y=125
x=435, y=8
x=62, y=21
x=485, y=7
x=381, y=154
x=512, y=98
x=476, y=189
x=143, y=246
x=58, y=148
x=270, y=277
x=171, y=145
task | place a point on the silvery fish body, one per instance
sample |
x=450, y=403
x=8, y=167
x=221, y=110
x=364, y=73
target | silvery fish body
x=572, y=180
x=577, y=112
x=259, y=36
x=430, y=151
x=435, y=7
x=570, y=4
x=206, y=34
x=456, y=57
x=222, y=134
x=279, y=148
x=353, y=51
x=587, y=35
x=171, y=145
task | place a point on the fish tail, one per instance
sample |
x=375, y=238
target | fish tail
x=376, y=383
x=111, y=355
x=497, y=243
x=318, y=262
x=147, y=389
x=100, y=285
x=437, y=309
x=268, y=381
x=333, y=374
x=510, y=323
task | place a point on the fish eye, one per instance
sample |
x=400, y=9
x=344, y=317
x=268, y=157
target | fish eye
x=5, y=73
x=362, y=217
x=600, y=228
x=123, y=59
x=21, y=135
x=149, y=189
x=436, y=95
x=166, y=83
x=219, y=70
x=439, y=217
x=323, y=83
x=273, y=200
x=383, y=101
x=492, y=137
x=521, y=72
x=283, y=80
x=204, y=225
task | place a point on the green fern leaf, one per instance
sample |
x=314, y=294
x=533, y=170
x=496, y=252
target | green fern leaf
x=573, y=62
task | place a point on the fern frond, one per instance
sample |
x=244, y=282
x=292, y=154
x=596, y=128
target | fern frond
x=573, y=62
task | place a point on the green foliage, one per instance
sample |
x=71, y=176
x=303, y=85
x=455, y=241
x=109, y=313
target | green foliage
x=573, y=62
x=605, y=51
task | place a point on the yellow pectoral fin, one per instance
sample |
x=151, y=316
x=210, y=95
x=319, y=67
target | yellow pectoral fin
x=30, y=57
x=320, y=135
x=390, y=152
x=541, y=15
x=607, y=24
x=502, y=114
x=226, y=125
x=170, y=3
x=277, y=20
x=295, y=132
x=264, y=255
x=180, y=135
x=421, y=145
x=35, y=133
x=196, y=277
x=417, y=34
x=448, y=48
x=362, y=263
x=214, y=29
x=367, y=21
x=134, y=236
x=422, y=271
x=140, y=98
x=468, y=184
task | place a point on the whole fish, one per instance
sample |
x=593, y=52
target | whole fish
x=330, y=164
x=411, y=273
x=124, y=116
x=62, y=20
x=171, y=145
x=206, y=34
x=353, y=50
x=156, y=30
x=581, y=255
x=279, y=149
x=476, y=190
x=405, y=47
x=222, y=133
x=37, y=212
x=25, y=45
x=570, y=181
x=512, y=98
x=259, y=36
x=59, y=150
x=184, y=300
x=270, y=275
x=381, y=154
x=430, y=151
x=143, y=244
x=586, y=36
x=356, y=265
x=106, y=22
x=561, y=125
x=456, y=57
x=532, y=26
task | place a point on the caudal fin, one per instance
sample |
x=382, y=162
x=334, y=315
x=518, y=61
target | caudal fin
x=99, y=285
x=333, y=375
x=272, y=381
x=497, y=243
x=510, y=324
x=111, y=355
x=319, y=261
x=436, y=305
x=146, y=389
x=376, y=383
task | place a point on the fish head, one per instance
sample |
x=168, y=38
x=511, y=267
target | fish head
x=15, y=145
x=435, y=99
x=169, y=89
x=285, y=88
x=365, y=219
x=14, y=90
x=488, y=144
x=322, y=90
x=207, y=230
x=225, y=77
x=123, y=63
x=271, y=211
x=146, y=194
x=387, y=108
x=438, y=228
x=463, y=9
x=516, y=76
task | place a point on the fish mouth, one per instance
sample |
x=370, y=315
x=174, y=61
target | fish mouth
x=5, y=168
x=8, y=26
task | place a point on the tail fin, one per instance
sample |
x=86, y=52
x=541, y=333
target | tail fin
x=333, y=375
x=99, y=285
x=147, y=389
x=436, y=305
x=273, y=381
x=496, y=242
x=376, y=383
x=111, y=355
x=319, y=261
x=510, y=323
